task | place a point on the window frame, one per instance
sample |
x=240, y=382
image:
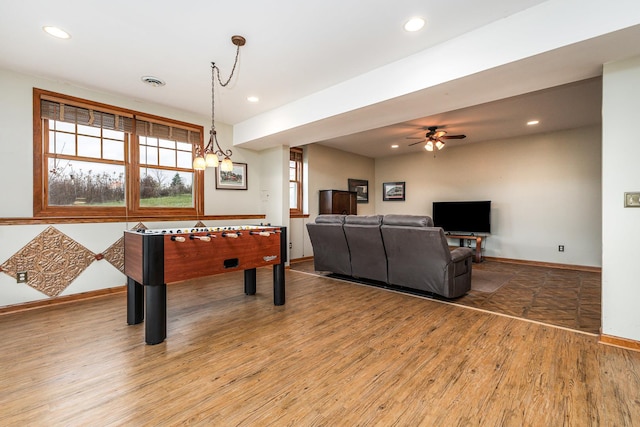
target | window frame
x=297, y=155
x=131, y=207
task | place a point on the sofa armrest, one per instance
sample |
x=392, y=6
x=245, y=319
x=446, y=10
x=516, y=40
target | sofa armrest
x=459, y=254
x=462, y=260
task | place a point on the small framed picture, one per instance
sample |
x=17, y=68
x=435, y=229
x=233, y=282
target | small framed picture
x=361, y=187
x=234, y=180
x=393, y=191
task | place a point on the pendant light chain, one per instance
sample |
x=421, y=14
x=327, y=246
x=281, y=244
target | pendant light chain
x=215, y=71
x=213, y=150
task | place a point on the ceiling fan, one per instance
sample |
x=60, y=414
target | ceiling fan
x=435, y=138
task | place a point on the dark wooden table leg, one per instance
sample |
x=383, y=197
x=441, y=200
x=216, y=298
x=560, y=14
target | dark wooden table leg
x=156, y=322
x=278, y=284
x=135, y=302
x=250, y=281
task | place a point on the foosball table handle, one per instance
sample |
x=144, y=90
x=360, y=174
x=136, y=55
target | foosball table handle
x=206, y=238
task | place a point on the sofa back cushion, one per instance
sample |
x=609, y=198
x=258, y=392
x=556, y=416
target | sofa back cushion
x=330, y=249
x=408, y=220
x=330, y=219
x=368, y=256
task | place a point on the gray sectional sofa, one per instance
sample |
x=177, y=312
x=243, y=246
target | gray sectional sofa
x=398, y=250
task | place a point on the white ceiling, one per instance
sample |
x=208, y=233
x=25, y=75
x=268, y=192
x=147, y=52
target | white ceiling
x=562, y=107
x=294, y=49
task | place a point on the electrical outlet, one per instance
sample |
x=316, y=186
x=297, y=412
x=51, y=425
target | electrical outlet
x=561, y=248
x=21, y=277
x=632, y=200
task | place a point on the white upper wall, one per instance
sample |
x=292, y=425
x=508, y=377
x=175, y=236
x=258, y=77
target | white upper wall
x=620, y=225
x=16, y=146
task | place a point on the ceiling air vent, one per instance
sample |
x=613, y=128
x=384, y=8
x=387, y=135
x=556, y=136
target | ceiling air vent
x=152, y=81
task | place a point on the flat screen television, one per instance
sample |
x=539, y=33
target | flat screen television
x=463, y=217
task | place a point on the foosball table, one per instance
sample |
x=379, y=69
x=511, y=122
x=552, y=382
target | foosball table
x=153, y=258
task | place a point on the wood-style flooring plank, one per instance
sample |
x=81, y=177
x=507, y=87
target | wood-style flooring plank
x=336, y=353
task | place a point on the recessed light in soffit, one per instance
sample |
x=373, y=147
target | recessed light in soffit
x=414, y=24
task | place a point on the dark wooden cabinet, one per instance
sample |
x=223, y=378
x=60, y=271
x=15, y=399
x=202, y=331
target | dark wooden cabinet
x=338, y=202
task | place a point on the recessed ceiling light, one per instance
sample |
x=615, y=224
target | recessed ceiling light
x=56, y=32
x=253, y=99
x=414, y=24
x=533, y=122
x=394, y=146
x=153, y=81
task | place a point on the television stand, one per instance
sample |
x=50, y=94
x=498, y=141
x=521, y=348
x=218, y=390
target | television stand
x=464, y=237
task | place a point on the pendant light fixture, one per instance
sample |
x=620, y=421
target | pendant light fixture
x=214, y=156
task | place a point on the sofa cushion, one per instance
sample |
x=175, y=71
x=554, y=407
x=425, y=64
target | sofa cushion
x=408, y=220
x=363, y=219
x=368, y=257
x=330, y=219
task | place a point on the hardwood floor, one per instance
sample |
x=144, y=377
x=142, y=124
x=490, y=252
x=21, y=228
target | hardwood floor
x=335, y=354
x=560, y=297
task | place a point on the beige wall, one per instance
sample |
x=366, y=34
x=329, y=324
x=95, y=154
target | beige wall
x=329, y=169
x=545, y=191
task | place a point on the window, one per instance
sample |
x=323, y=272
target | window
x=295, y=181
x=96, y=160
x=165, y=166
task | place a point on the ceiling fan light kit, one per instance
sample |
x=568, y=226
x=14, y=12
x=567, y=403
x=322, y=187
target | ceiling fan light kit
x=434, y=138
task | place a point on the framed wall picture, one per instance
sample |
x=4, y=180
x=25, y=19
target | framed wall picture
x=234, y=180
x=393, y=191
x=361, y=187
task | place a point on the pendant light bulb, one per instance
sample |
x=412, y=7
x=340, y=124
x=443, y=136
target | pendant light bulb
x=211, y=160
x=227, y=165
x=199, y=164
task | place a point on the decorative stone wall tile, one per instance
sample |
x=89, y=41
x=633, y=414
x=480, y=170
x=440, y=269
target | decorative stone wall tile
x=114, y=254
x=52, y=260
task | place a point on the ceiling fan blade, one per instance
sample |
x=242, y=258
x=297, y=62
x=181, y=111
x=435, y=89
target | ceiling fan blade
x=439, y=134
x=453, y=136
x=417, y=142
